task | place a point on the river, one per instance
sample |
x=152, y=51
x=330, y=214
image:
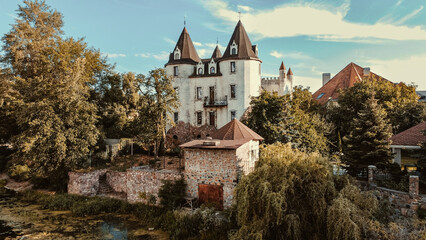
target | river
x=19, y=220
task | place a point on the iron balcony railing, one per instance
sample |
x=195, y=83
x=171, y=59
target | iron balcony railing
x=215, y=102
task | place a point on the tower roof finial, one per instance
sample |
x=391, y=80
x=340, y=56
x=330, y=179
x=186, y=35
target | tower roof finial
x=239, y=15
x=184, y=21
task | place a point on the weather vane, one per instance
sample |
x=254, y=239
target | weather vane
x=184, y=21
x=239, y=15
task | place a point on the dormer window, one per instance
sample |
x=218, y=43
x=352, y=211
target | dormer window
x=200, y=68
x=212, y=70
x=234, y=48
x=200, y=71
x=212, y=67
x=176, y=54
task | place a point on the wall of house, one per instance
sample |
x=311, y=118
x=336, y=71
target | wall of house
x=143, y=182
x=211, y=166
x=86, y=184
x=117, y=181
x=247, y=156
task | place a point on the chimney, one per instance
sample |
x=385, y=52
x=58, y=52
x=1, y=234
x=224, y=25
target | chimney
x=366, y=71
x=325, y=78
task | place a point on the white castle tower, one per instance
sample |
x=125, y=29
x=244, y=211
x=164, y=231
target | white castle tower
x=216, y=90
x=282, y=84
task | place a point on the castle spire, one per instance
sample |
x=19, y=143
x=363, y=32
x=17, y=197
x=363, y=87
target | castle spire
x=216, y=53
x=282, y=67
x=186, y=49
x=239, y=45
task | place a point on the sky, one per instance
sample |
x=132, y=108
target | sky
x=311, y=37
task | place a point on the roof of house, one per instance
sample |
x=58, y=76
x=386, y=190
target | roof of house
x=216, y=53
x=346, y=78
x=422, y=96
x=187, y=49
x=289, y=72
x=410, y=137
x=245, y=49
x=282, y=65
x=231, y=136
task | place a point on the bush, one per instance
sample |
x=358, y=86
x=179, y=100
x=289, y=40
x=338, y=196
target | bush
x=20, y=172
x=172, y=193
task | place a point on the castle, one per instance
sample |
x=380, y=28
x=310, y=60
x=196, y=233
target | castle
x=217, y=90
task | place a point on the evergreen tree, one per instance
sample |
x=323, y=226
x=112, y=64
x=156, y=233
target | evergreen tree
x=50, y=79
x=368, y=142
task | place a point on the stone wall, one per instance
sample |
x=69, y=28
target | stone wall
x=185, y=132
x=211, y=166
x=143, y=182
x=86, y=184
x=117, y=181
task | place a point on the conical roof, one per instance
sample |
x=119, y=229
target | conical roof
x=216, y=53
x=289, y=72
x=187, y=49
x=245, y=49
x=235, y=130
x=282, y=66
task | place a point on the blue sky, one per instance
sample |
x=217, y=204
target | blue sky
x=311, y=37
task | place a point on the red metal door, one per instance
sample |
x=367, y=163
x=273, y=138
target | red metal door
x=212, y=194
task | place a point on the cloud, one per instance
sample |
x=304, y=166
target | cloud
x=170, y=41
x=203, y=53
x=290, y=55
x=143, y=55
x=197, y=44
x=213, y=46
x=409, y=16
x=276, y=54
x=161, y=56
x=324, y=22
x=244, y=8
x=408, y=70
x=114, y=55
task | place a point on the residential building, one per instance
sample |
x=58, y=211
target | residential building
x=406, y=145
x=217, y=90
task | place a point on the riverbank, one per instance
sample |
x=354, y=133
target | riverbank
x=22, y=220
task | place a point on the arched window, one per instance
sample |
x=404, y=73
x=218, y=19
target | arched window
x=177, y=56
x=212, y=70
x=234, y=51
x=200, y=71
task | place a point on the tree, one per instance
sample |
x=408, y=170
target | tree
x=294, y=195
x=51, y=79
x=368, y=142
x=289, y=118
x=162, y=101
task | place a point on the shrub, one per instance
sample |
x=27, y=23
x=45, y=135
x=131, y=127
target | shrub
x=20, y=172
x=172, y=193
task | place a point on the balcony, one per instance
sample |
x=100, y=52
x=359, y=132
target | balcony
x=215, y=102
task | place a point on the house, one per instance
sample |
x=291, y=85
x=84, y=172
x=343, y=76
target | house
x=214, y=166
x=346, y=78
x=406, y=144
x=217, y=90
x=422, y=96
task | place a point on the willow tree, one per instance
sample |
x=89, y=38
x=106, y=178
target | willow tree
x=286, y=197
x=50, y=78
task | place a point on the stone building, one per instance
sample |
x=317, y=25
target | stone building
x=217, y=90
x=214, y=166
x=283, y=84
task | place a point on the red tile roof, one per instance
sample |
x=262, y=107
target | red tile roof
x=346, y=78
x=410, y=137
x=231, y=136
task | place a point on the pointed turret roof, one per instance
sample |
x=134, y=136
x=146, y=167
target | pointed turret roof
x=245, y=49
x=235, y=130
x=289, y=72
x=187, y=49
x=282, y=65
x=216, y=53
x=346, y=78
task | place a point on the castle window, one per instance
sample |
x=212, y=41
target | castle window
x=176, y=117
x=212, y=70
x=200, y=71
x=233, y=115
x=177, y=54
x=199, y=118
x=175, y=70
x=233, y=91
x=232, y=67
x=234, y=50
x=199, y=93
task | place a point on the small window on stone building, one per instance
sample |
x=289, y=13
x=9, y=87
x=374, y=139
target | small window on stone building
x=233, y=91
x=212, y=116
x=199, y=118
x=232, y=66
x=176, y=117
x=212, y=70
x=200, y=71
x=177, y=56
x=175, y=70
x=199, y=93
x=233, y=115
x=234, y=51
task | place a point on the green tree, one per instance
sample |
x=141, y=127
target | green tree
x=51, y=79
x=292, y=195
x=368, y=142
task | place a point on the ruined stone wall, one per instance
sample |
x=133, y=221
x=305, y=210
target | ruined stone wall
x=117, y=181
x=143, y=182
x=211, y=166
x=86, y=184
